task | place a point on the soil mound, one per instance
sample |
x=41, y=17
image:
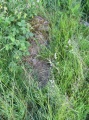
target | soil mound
x=40, y=67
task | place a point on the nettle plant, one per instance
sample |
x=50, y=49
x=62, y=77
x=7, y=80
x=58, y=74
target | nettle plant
x=14, y=32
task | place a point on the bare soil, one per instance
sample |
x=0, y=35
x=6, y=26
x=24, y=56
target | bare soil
x=40, y=67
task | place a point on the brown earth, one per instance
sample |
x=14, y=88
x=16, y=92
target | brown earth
x=40, y=67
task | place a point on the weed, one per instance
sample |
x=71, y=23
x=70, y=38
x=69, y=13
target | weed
x=65, y=97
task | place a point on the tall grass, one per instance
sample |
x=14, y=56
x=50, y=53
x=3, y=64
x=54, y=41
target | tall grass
x=65, y=97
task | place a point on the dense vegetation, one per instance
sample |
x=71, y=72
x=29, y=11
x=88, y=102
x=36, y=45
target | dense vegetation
x=65, y=97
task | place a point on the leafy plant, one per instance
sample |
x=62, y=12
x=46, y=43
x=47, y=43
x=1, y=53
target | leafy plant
x=65, y=97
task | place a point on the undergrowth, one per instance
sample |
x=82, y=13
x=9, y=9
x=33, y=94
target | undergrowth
x=65, y=97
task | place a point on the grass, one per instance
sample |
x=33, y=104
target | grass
x=66, y=95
